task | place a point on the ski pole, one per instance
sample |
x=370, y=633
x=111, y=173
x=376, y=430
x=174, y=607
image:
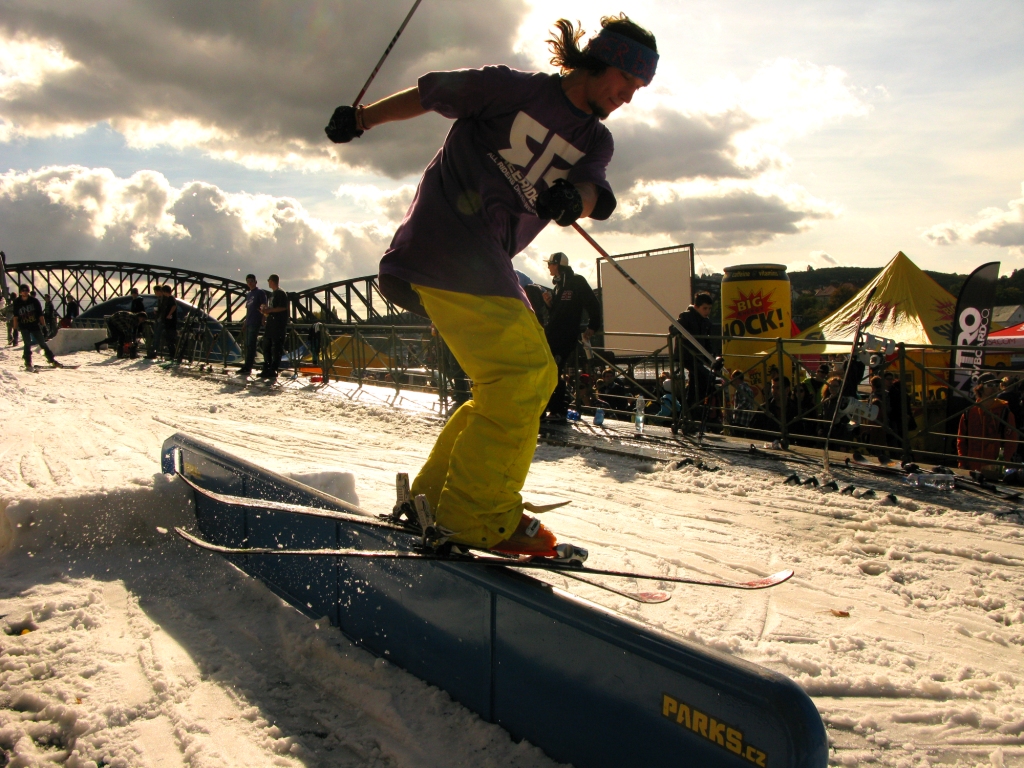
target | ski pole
x=826, y=464
x=675, y=323
x=387, y=50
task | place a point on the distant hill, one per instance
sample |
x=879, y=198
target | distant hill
x=813, y=279
x=1010, y=289
x=806, y=312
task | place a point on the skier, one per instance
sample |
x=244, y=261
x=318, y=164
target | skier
x=526, y=148
x=572, y=295
x=28, y=312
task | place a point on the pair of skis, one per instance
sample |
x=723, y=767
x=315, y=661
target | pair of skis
x=978, y=486
x=455, y=554
x=53, y=367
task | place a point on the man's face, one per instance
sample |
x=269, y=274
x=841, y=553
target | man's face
x=610, y=90
x=23, y=293
x=552, y=269
x=250, y=282
x=703, y=310
x=272, y=284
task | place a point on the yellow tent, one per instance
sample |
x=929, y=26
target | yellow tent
x=347, y=354
x=908, y=306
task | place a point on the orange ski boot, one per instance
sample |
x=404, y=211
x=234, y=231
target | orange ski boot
x=531, y=538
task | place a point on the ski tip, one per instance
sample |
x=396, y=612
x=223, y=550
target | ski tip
x=776, y=578
x=653, y=598
x=529, y=506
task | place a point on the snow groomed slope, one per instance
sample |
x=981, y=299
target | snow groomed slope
x=585, y=684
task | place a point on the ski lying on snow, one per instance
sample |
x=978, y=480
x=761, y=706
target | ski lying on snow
x=485, y=560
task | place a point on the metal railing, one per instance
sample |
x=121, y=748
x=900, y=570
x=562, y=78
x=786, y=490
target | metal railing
x=89, y=282
x=913, y=421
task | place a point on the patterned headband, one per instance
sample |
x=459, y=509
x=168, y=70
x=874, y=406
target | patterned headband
x=624, y=53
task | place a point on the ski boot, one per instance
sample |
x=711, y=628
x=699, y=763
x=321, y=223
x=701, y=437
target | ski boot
x=530, y=538
x=570, y=554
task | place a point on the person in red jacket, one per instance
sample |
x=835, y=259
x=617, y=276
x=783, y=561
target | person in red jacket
x=987, y=429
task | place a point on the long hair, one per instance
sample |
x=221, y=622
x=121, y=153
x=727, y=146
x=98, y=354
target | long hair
x=565, y=46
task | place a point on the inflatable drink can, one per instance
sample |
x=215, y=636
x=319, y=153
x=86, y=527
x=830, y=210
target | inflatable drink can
x=757, y=309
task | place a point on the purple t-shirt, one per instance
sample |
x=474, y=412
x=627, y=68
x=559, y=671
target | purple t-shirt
x=254, y=299
x=514, y=134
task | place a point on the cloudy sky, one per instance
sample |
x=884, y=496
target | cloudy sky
x=797, y=132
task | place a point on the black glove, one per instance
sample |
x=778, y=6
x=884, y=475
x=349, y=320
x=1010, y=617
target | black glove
x=561, y=202
x=342, y=128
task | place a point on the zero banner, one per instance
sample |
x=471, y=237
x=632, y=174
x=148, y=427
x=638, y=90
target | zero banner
x=971, y=323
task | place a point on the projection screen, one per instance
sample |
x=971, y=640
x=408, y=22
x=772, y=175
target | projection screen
x=667, y=275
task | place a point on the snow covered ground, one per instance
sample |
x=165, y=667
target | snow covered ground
x=121, y=646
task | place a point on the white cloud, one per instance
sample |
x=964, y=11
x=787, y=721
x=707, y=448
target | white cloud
x=708, y=165
x=250, y=84
x=81, y=213
x=26, y=62
x=255, y=86
x=814, y=260
x=388, y=204
x=993, y=226
x=720, y=215
x=783, y=100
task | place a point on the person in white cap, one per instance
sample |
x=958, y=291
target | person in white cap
x=571, y=298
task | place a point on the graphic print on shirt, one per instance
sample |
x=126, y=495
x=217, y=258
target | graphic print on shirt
x=27, y=311
x=550, y=158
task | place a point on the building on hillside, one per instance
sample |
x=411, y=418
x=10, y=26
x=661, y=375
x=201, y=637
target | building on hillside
x=824, y=295
x=1011, y=314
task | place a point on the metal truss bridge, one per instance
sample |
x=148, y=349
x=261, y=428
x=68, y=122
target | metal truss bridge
x=357, y=300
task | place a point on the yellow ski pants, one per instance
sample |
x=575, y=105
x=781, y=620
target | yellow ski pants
x=478, y=465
